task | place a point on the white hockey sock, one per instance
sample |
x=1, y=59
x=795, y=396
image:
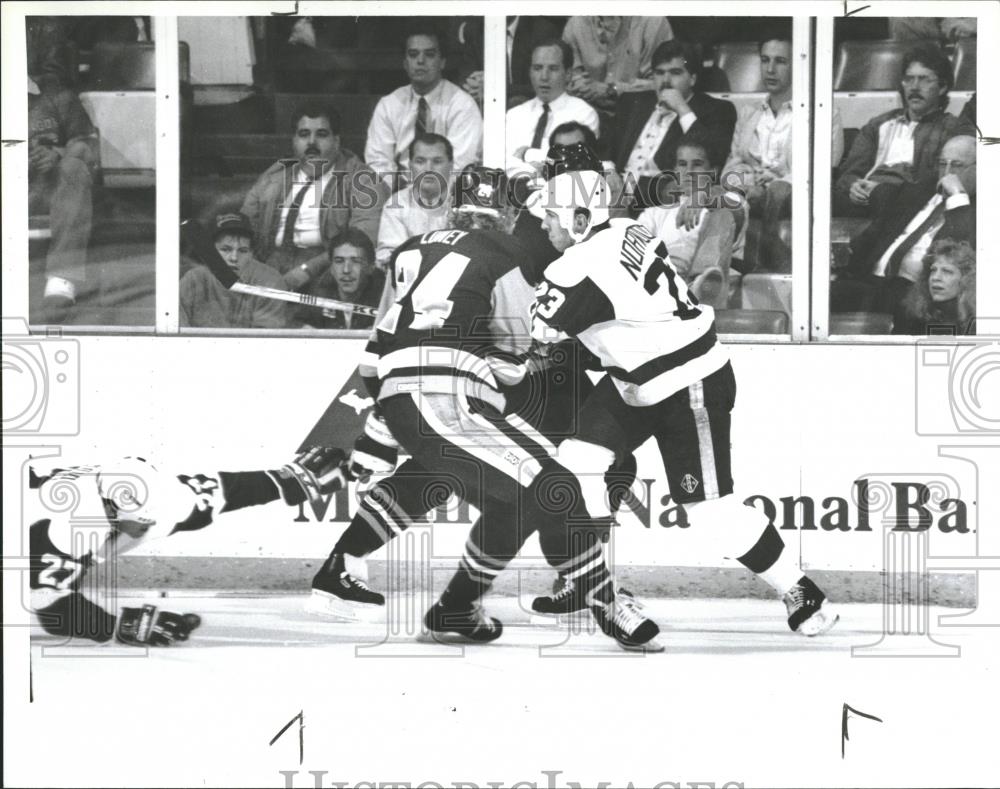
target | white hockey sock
x=784, y=573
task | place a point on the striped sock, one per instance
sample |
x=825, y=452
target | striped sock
x=587, y=569
x=378, y=520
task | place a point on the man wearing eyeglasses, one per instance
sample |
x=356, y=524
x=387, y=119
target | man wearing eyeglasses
x=902, y=145
x=888, y=256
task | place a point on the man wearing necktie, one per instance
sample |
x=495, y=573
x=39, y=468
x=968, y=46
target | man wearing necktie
x=298, y=205
x=887, y=257
x=530, y=124
x=429, y=103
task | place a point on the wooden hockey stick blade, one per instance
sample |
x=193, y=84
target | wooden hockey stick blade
x=201, y=248
x=303, y=298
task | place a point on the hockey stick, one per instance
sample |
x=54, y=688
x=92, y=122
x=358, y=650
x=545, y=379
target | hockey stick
x=203, y=250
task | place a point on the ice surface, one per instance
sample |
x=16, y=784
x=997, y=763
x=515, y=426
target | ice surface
x=736, y=697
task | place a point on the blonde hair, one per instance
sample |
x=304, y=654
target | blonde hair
x=918, y=302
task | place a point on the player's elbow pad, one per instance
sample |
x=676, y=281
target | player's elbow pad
x=375, y=450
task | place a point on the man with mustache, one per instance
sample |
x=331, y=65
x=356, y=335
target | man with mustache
x=902, y=145
x=297, y=207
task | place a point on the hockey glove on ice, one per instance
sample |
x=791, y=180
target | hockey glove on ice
x=145, y=627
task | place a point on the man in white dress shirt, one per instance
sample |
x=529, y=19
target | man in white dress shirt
x=429, y=103
x=423, y=205
x=530, y=124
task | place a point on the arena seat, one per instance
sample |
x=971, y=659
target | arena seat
x=120, y=66
x=751, y=322
x=329, y=71
x=860, y=323
x=736, y=70
x=869, y=65
x=121, y=102
x=963, y=62
x=767, y=292
x=856, y=109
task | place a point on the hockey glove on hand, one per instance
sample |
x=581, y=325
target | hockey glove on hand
x=318, y=471
x=375, y=450
x=145, y=627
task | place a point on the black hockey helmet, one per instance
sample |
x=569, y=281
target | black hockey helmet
x=481, y=190
x=571, y=158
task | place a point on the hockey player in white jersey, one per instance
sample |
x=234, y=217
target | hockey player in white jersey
x=114, y=508
x=668, y=377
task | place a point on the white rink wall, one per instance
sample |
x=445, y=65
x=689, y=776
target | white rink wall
x=810, y=422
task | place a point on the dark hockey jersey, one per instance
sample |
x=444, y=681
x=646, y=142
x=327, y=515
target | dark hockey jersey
x=460, y=296
x=620, y=296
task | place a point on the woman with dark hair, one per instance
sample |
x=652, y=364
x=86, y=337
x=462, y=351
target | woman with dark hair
x=945, y=296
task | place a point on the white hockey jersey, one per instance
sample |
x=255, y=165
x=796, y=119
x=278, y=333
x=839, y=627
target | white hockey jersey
x=620, y=296
x=93, y=514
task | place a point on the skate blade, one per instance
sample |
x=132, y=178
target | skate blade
x=328, y=606
x=820, y=622
x=652, y=646
x=447, y=638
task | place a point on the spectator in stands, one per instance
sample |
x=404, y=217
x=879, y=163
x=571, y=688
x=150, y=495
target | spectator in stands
x=648, y=126
x=943, y=301
x=61, y=159
x=523, y=33
x=701, y=225
x=969, y=111
x=351, y=277
x=901, y=145
x=204, y=302
x=612, y=55
x=429, y=103
x=925, y=28
x=761, y=155
x=423, y=205
x=48, y=50
x=296, y=210
x=887, y=257
x=530, y=124
x=465, y=42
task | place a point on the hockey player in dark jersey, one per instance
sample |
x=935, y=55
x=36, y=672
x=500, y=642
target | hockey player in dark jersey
x=668, y=378
x=117, y=507
x=460, y=315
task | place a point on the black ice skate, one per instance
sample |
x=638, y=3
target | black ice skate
x=623, y=620
x=566, y=599
x=338, y=594
x=808, y=612
x=470, y=624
